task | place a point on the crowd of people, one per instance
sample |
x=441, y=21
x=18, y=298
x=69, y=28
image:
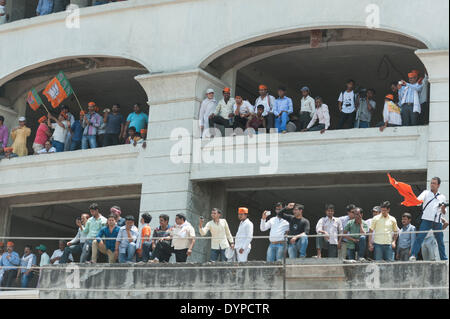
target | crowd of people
x=349, y=237
x=45, y=7
x=68, y=133
x=405, y=105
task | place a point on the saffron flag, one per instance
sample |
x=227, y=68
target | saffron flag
x=33, y=99
x=406, y=191
x=58, y=90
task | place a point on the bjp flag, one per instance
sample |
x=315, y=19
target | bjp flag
x=33, y=99
x=406, y=191
x=58, y=90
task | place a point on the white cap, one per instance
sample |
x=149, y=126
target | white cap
x=22, y=119
x=209, y=91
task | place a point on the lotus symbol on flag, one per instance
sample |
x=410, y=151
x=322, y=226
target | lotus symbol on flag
x=54, y=91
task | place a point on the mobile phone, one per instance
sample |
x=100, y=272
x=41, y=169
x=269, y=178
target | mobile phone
x=268, y=213
x=202, y=218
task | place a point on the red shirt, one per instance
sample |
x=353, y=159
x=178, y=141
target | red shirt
x=41, y=137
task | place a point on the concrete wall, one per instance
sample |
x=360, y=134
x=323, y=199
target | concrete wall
x=140, y=30
x=254, y=280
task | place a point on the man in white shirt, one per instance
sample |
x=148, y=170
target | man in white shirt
x=347, y=105
x=278, y=229
x=183, y=238
x=243, y=110
x=375, y=211
x=244, y=236
x=207, y=108
x=220, y=233
x=322, y=114
x=269, y=102
x=126, y=241
x=57, y=254
x=61, y=128
x=48, y=148
x=307, y=108
x=330, y=227
x=26, y=262
x=432, y=218
x=77, y=243
x=391, y=113
x=45, y=258
x=223, y=115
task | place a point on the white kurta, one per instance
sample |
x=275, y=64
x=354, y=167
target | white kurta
x=206, y=109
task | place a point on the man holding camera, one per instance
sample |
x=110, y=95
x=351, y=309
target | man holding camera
x=366, y=107
x=433, y=207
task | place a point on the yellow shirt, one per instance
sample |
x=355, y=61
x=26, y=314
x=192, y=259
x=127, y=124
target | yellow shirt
x=384, y=228
x=19, y=137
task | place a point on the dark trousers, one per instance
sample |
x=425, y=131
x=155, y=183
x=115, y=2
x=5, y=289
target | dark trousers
x=219, y=120
x=424, y=114
x=9, y=277
x=100, y=140
x=111, y=139
x=217, y=254
x=75, y=145
x=347, y=117
x=240, y=122
x=270, y=121
x=162, y=251
x=146, y=251
x=409, y=117
x=70, y=250
x=60, y=5
x=180, y=255
x=317, y=127
x=332, y=251
x=303, y=121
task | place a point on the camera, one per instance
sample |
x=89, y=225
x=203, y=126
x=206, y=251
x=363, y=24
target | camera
x=363, y=93
x=443, y=204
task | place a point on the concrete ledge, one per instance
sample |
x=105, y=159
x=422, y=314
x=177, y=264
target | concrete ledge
x=256, y=280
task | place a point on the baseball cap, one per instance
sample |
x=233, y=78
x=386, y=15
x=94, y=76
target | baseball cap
x=209, y=91
x=305, y=88
x=41, y=247
x=22, y=119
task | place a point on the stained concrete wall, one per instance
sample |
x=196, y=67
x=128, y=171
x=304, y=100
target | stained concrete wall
x=256, y=280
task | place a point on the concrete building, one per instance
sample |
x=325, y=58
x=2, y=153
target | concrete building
x=166, y=53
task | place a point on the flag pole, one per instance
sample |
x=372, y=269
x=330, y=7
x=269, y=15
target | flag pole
x=76, y=97
x=45, y=107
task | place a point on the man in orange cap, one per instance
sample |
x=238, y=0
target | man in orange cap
x=90, y=123
x=391, y=113
x=244, y=235
x=409, y=99
x=43, y=133
x=223, y=115
x=10, y=260
x=269, y=103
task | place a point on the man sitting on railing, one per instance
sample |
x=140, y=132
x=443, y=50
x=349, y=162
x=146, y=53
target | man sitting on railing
x=44, y=7
x=77, y=243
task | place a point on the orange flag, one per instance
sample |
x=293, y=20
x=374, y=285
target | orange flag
x=406, y=191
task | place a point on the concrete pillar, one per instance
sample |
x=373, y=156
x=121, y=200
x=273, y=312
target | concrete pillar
x=174, y=104
x=436, y=63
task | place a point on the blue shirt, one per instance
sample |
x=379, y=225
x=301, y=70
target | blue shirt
x=44, y=7
x=122, y=237
x=105, y=233
x=409, y=91
x=121, y=222
x=139, y=121
x=13, y=262
x=283, y=104
x=406, y=240
x=77, y=131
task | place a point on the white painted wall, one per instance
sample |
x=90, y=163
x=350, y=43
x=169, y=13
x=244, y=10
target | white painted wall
x=175, y=35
